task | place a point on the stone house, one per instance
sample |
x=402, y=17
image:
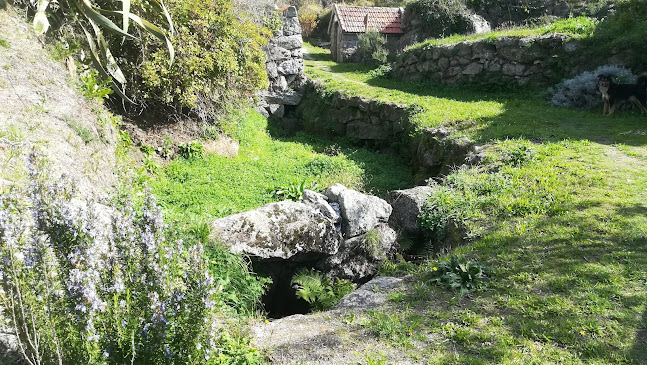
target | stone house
x=347, y=22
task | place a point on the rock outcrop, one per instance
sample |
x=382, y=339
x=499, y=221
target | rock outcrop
x=279, y=231
x=360, y=212
x=407, y=206
x=343, y=233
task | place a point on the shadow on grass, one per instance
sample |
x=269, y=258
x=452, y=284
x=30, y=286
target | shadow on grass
x=586, y=283
x=639, y=350
x=383, y=170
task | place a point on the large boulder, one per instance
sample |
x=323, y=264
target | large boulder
x=360, y=257
x=279, y=231
x=407, y=205
x=320, y=203
x=360, y=212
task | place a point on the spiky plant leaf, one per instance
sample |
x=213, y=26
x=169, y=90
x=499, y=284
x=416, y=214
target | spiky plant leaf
x=41, y=24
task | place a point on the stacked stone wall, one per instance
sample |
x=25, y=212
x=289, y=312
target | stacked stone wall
x=540, y=60
x=431, y=151
x=284, y=65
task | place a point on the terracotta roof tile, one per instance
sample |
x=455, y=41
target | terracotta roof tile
x=359, y=19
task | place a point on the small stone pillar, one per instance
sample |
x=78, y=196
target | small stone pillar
x=284, y=66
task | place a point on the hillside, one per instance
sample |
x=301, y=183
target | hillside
x=42, y=110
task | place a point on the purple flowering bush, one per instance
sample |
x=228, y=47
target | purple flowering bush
x=86, y=283
x=582, y=90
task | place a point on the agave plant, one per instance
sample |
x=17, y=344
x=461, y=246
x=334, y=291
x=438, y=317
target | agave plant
x=98, y=20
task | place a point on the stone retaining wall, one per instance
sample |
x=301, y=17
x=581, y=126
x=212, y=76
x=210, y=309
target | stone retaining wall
x=431, y=152
x=541, y=60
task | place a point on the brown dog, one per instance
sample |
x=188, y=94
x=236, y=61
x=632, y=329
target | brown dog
x=612, y=93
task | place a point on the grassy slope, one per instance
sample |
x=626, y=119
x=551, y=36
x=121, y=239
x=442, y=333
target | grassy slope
x=567, y=239
x=216, y=186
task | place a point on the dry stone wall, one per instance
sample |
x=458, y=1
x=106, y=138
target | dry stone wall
x=540, y=60
x=432, y=151
x=284, y=65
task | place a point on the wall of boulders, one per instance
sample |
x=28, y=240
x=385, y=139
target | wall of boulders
x=284, y=65
x=382, y=125
x=539, y=60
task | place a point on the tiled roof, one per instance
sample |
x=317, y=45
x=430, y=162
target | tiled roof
x=359, y=19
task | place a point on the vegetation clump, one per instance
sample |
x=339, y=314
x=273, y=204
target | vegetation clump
x=318, y=290
x=370, y=48
x=92, y=284
x=458, y=274
x=582, y=91
x=439, y=18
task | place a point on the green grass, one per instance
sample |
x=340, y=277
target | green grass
x=577, y=27
x=558, y=211
x=4, y=43
x=215, y=186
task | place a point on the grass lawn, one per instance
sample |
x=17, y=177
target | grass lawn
x=559, y=213
x=197, y=190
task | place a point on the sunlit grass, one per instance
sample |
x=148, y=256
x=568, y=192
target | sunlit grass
x=216, y=186
x=564, y=230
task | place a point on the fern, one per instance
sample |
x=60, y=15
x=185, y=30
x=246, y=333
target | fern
x=319, y=291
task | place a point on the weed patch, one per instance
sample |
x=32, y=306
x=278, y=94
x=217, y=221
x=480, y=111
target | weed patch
x=216, y=186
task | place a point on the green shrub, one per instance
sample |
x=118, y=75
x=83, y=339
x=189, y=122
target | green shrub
x=458, y=274
x=581, y=25
x=320, y=291
x=370, y=48
x=294, y=191
x=93, y=87
x=218, y=61
x=439, y=18
x=381, y=71
x=76, y=291
x=191, y=150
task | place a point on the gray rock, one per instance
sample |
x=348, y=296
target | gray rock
x=443, y=63
x=263, y=111
x=320, y=202
x=291, y=67
x=283, y=230
x=473, y=69
x=275, y=53
x=292, y=26
x=511, y=69
x=285, y=98
x=282, y=83
x=289, y=42
x=272, y=70
x=360, y=213
x=370, y=295
x=407, y=205
x=365, y=131
x=276, y=110
x=360, y=257
x=290, y=12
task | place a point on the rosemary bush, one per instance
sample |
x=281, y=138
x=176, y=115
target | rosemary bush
x=582, y=90
x=84, y=283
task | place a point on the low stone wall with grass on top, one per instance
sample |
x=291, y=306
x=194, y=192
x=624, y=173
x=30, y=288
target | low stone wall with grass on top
x=539, y=60
x=431, y=151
